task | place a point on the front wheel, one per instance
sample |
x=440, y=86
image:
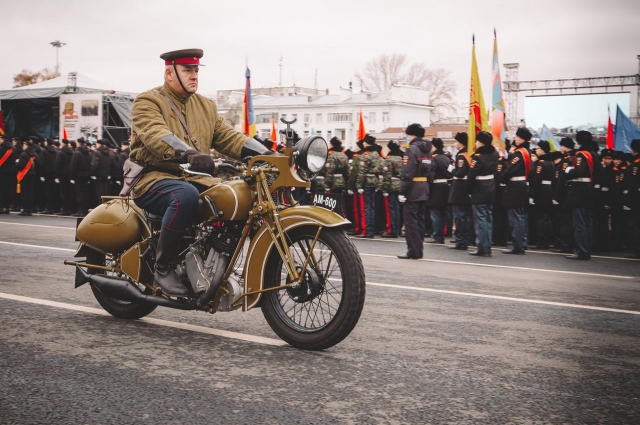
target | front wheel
x=116, y=308
x=326, y=306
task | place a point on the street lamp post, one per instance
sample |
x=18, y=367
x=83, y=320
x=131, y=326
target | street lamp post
x=57, y=44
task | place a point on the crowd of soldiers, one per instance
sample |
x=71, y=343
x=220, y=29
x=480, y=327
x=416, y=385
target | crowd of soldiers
x=65, y=177
x=575, y=200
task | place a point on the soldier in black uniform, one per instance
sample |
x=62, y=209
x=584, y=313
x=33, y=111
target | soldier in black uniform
x=7, y=173
x=565, y=220
x=516, y=191
x=79, y=173
x=614, y=200
x=26, y=176
x=580, y=182
x=481, y=187
x=542, y=193
x=16, y=202
x=458, y=196
x=48, y=157
x=439, y=191
x=62, y=169
x=417, y=171
x=631, y=197
x=101, y=167
x=117, y=172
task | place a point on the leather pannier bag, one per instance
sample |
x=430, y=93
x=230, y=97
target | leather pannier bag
x=133, y=172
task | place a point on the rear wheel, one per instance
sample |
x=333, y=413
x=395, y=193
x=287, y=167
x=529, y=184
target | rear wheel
x=326, y=306
x=117, y=308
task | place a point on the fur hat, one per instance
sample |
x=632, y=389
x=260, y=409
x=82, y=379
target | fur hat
x=73, y=144
x=584, y=138
x=360, y=144
x=393, y=146
x=415, y=129
x=55, y=142
x=438, y=143
x=635, y=145
x=103, y=142
x=82, y=141
x=335, y=142
x=544, y=145
x=65, y=142
x=369, y=139
x=556, y=155
x=349, y=153
x=524, y=133
x=462, y=138
x=567, y=142
x=484, y=137
x=606, y=153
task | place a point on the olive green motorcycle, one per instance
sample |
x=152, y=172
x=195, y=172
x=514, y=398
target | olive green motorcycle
x=250, y=245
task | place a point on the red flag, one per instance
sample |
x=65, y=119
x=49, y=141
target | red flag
x=1, y=121
x=274, y=133
x=361, y=131
x=64, y=133
x=609, y=131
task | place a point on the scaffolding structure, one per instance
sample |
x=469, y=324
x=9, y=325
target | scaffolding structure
x=594, y=85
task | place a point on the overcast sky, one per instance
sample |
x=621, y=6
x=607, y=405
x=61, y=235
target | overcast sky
x=119, y=42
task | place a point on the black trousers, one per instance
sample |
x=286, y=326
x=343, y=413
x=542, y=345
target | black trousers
x=82, y=194
x=7, y=187
x=414, y=221
x=67, y=194
x=101, y=188
x=52, y=193
x=27, y=193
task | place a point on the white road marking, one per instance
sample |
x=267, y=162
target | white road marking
x=159, y=322
x=498, y=297
x=464, y=263
x=37, y=225
x=37, y=246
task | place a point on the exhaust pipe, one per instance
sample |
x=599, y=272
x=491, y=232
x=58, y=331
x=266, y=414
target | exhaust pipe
x=124, y=290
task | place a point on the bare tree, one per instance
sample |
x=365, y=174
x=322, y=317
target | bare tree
x=26, y=77
x=386, y=70
x=232, y=116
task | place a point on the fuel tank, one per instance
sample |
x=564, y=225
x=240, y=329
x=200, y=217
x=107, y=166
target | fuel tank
x=112, y=227
x=231, y=200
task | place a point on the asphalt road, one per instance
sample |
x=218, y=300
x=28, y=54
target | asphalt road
x=448, y=339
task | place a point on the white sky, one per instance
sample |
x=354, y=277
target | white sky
x=119, y=42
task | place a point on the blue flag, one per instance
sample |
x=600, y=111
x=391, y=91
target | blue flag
x=625, y=132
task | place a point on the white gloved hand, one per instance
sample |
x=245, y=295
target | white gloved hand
x=566, y=170
x=402, y=198
x=72, y=181
x=607, y=207
x=117, y=182
x=385, y=194
x=93, y=177
x=531, y=201
x=349, y=192
x=57, y=180
x=108, y=177
x=360, y=191
x=626, y=208
x=41, y=179
x=450, y=168
x=555, y=202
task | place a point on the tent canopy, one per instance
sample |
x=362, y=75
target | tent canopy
x=56, y=86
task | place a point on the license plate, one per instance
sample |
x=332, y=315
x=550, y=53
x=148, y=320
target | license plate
x=331, y=202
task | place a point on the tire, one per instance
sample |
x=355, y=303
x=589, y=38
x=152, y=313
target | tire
x=116, y=308
x=339, y=298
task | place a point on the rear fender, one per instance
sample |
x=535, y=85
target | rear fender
x=262, y=244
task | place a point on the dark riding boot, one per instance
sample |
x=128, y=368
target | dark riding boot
x=166, y=260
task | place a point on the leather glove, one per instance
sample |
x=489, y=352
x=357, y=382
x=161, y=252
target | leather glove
x=57, y=180
x=402, y=198
x=200, y=162
x=41, y=179
x=555, y=202
x=349, y=192
x=385, y=194
x=531, y=201
x=360, y=191
x=72, y=181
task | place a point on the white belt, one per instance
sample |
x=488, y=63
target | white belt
x=337, y=175
x=319, y=178
x=395, y=178
x=441, y=181
x=518, y=179
x=581, y=179
x=488, y=177
x=371, y=175
x=605, y=189
x=546, y=182
x=460, y=178
x=503, y=184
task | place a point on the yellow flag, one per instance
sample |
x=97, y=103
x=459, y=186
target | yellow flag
x=477, y=112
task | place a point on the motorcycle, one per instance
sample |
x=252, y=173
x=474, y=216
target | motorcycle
x=250, y=245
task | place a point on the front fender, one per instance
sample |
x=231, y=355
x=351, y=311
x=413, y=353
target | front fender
x=262, y=244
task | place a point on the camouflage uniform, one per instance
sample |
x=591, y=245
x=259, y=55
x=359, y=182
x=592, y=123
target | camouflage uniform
x=389, y=183
x=367, y=180
x=352, y=185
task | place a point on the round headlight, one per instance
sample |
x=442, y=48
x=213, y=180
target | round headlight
x=311, y=155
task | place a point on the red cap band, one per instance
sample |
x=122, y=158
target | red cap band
x=184, y=61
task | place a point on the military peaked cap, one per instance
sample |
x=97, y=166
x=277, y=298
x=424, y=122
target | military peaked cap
x=183, y=57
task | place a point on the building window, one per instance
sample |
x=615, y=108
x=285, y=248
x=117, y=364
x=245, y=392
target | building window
x=319, y=118
x=307, y=118
x=340, y=117
x=385, y=117
x=372, y=117
x=265, y=118
x=283, y=115
x=319, y=132
x=290, y=94
x=265, y=134
x=306, y=132
x=329, y=134
x=294, y=116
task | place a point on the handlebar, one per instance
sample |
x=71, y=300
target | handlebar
x=219, y=166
